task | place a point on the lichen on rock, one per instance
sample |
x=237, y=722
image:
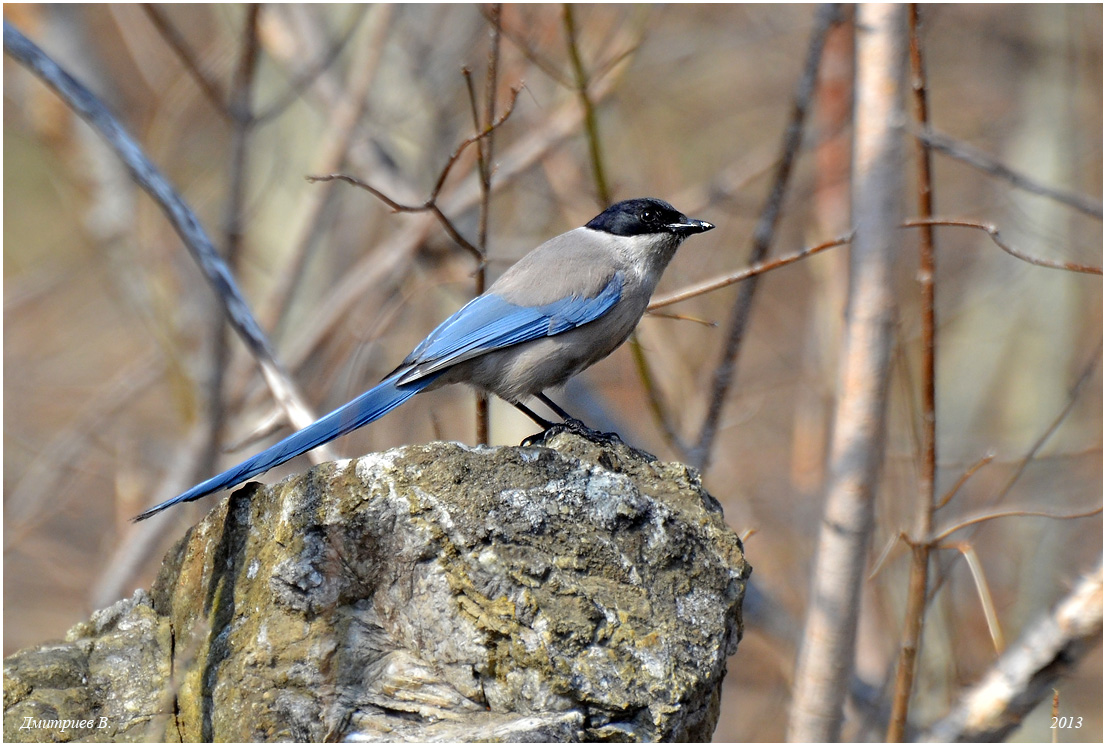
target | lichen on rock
x=574, y=590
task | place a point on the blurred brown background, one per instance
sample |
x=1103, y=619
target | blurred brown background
x=109, y=327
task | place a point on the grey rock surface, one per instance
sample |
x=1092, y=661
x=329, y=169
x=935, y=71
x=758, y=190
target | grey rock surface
x=570, y=591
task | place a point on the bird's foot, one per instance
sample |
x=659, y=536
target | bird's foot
x=574, y=426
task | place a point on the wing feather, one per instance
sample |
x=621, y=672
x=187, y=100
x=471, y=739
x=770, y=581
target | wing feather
x=491, y=323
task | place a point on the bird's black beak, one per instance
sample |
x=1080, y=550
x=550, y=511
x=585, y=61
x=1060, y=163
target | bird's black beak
x=689, y=226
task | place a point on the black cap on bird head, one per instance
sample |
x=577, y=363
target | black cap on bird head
x=645, y=215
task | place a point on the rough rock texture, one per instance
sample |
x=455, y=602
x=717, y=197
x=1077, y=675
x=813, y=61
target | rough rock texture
x=572, y=591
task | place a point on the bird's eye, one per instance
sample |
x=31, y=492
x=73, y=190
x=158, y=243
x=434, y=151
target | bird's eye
x=649, y=216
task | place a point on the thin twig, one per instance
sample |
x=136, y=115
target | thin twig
x=980, y=160
x=992, y=231
x=1073, y=396
x=301, y=83
x=971, y=470
x=191, y=62
x=591, y=124
x=431, y=204
x=1048, y=649
x=983, y=590
x=1055, y=714
x=1013, y=512
x=183, y=219
x=428, y=206
x=344, y=117
x=914, y=616
x=707, y=286
x=486, y=161
x=653, y=395
x=763, y=234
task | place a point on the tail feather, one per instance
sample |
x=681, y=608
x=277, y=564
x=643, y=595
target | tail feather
x=371, y=405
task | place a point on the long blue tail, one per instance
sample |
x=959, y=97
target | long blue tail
x=371, y=405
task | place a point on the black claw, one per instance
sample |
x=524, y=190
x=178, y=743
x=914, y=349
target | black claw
x=574, y=426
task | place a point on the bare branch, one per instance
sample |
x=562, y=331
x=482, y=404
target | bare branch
x=990, y=515
x=763, y=234
x=914, y=616
x=183, y=219
x=191, y=62
x=591, y=126
x=707, y=286
x=826, y=658
x=977, y=159
x=329, y=57
x=1047, y=650
x=971, y=470
x=431, y=203
x=992, y=231
x=428, y=206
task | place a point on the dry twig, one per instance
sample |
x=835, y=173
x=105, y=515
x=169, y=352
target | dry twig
x=992, y=231
x=765, y=230
x=1048, y=649
x=914, y=616
x=976, y=158
x=431, y=203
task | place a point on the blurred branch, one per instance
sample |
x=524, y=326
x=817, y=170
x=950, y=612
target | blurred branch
x=699, y=454
x=486, y=162
x=1073, y=396
x=241, y=118
x=968, y=473
x=653, y=395
x=344, y=116
x=914, y=615
x=978, y=159
x=993, y=514
x=826, y=657
x=136, y=545
x=983, y=591
x=523, y=44
x=183, y=219
x=37, y=495
x=169, y=33
x=214, y=92
x=431, y=202
x=1048, y=649
x=591, y=125
x=992, y=231
x=707, y=286
x=305, y=79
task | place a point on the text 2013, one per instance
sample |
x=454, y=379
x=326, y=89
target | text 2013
x=1067, y=722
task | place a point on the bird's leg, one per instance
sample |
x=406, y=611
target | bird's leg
x=546, y=424
x=570, y=424
x=540, y=396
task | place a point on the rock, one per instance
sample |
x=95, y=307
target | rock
x=578, y=590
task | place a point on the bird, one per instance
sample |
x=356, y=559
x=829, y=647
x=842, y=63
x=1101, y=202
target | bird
x=560, y=308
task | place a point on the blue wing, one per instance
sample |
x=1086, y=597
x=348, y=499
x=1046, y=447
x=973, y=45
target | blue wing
x=490, y=323
x=486, y=323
